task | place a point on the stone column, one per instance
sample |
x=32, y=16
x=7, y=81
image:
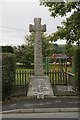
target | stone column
x=39, y=83
x=37, y=28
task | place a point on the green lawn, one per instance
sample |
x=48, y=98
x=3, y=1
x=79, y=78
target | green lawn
x=24, y=69
x=52, y=67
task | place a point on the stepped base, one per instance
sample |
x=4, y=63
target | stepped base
x=40, y=87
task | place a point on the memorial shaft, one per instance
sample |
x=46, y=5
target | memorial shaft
x=39, y=83
x=37, y=28
x=38, y=63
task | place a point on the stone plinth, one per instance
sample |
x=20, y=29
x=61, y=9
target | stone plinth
x=40, y=87
x=64, y=90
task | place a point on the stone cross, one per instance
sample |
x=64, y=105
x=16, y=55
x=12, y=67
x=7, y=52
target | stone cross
x=37, y=28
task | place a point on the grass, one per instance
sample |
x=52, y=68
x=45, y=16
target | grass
x=52, y=67
x=24, y=69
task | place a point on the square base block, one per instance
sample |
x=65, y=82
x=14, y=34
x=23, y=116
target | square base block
x=40, y=87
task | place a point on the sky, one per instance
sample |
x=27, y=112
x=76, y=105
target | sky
x=15, y=17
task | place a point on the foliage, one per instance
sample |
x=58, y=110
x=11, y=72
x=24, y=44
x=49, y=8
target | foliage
x=77, y=67
x=69, y=50
x=59, y=49
x=47, y=46
x=70, y=29
x=7, y=49
x=18, y=52
x=25, y=53
x=8, y=73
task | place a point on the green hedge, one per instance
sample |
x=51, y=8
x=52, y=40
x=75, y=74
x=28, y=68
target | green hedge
x=77, y=67
x=8, y=73
x=7, y=49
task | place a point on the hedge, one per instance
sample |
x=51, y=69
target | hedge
x=8, y=73
x=77, y=67
x=0, y=76
x=7, y=49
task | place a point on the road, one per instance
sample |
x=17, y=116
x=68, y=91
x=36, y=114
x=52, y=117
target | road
x=42, y=103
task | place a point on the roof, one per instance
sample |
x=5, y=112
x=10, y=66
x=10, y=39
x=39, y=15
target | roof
x=59, y=56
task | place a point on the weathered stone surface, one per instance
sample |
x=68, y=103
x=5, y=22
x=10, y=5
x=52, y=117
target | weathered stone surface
x=39, y=83
x=40, y=87
x=64, y=90
x=37, y=28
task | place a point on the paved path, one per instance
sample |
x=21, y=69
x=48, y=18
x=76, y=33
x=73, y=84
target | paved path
x=41, y=103
x=40, y=119
x=43, y=115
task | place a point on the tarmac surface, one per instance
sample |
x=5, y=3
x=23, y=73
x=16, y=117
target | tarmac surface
x=56, y=102
x=57, y=108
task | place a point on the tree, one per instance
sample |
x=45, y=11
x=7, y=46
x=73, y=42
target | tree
x=47, y=45
x=77, y=68
x=58, y=49
x=70, y=29
x=25, y=53
x=69, y=50
x=18, y=52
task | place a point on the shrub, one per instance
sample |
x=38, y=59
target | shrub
x=7, y=49
x=0, y=76
x=8, y=73
x=77, y=67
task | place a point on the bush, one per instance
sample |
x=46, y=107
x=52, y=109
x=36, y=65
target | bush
x=77, y=67
x=7, y=49
x=8, y=73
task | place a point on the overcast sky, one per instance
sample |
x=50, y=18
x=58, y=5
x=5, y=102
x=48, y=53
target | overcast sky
x=16, y=15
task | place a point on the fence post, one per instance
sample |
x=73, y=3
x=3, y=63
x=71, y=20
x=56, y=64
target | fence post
x=20, y=73
x=53, y=78
x=50, y=77
x=25, y=78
